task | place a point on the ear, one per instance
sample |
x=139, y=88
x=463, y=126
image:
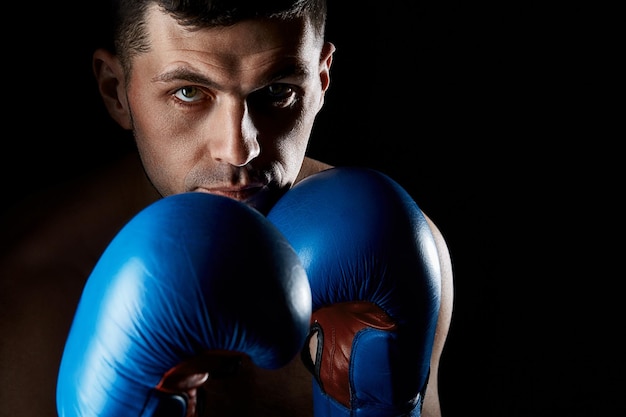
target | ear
x=111, y=84
x=326, y=59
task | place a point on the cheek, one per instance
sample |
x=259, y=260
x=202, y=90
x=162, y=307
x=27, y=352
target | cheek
x=292, y=147
x=156, y=167
x=160, y=156
x=154, y=136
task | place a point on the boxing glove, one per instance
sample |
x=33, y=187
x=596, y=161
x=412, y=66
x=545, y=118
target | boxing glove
x=191, y=277
x=373, y=267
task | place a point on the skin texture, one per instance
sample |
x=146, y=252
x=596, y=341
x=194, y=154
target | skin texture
x=226, y=110
x=203, y=104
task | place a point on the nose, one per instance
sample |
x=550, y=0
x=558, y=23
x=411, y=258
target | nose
x=236, y=136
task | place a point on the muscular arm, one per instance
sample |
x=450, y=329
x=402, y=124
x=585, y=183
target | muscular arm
x=432, y=406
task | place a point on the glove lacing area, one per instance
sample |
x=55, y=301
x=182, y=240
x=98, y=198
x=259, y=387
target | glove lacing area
x=327, y=353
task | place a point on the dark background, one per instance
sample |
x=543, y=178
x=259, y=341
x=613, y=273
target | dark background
x=498, y=117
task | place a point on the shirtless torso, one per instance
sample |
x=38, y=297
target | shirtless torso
x=52, y=242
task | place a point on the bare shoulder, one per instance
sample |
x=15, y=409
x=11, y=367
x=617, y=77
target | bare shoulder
x=311, y=166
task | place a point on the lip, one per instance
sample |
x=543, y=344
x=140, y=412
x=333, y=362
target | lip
x=236, y=193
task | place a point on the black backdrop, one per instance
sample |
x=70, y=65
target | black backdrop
x=489, y=113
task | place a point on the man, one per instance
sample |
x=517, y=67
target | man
x=215, y=106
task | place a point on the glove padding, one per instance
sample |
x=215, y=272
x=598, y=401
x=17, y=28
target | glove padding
x=375, y=278
x=191, y=276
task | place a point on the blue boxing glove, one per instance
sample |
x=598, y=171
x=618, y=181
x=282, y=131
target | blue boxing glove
x=375, y=277
x=193, y=279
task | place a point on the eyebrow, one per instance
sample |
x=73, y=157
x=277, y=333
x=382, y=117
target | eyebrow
x=185, y=73
x=182, y=73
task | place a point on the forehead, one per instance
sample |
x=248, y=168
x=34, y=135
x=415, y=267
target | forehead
x=249, y=42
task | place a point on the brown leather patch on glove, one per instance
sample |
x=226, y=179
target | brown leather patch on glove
x=335, y=327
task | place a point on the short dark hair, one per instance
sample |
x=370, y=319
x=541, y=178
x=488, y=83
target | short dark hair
x=128, y=36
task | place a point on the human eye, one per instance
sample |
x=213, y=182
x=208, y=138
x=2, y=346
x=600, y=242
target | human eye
x=189, y=94
x=280, y=95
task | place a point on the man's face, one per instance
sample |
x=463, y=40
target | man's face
x=227, y=110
